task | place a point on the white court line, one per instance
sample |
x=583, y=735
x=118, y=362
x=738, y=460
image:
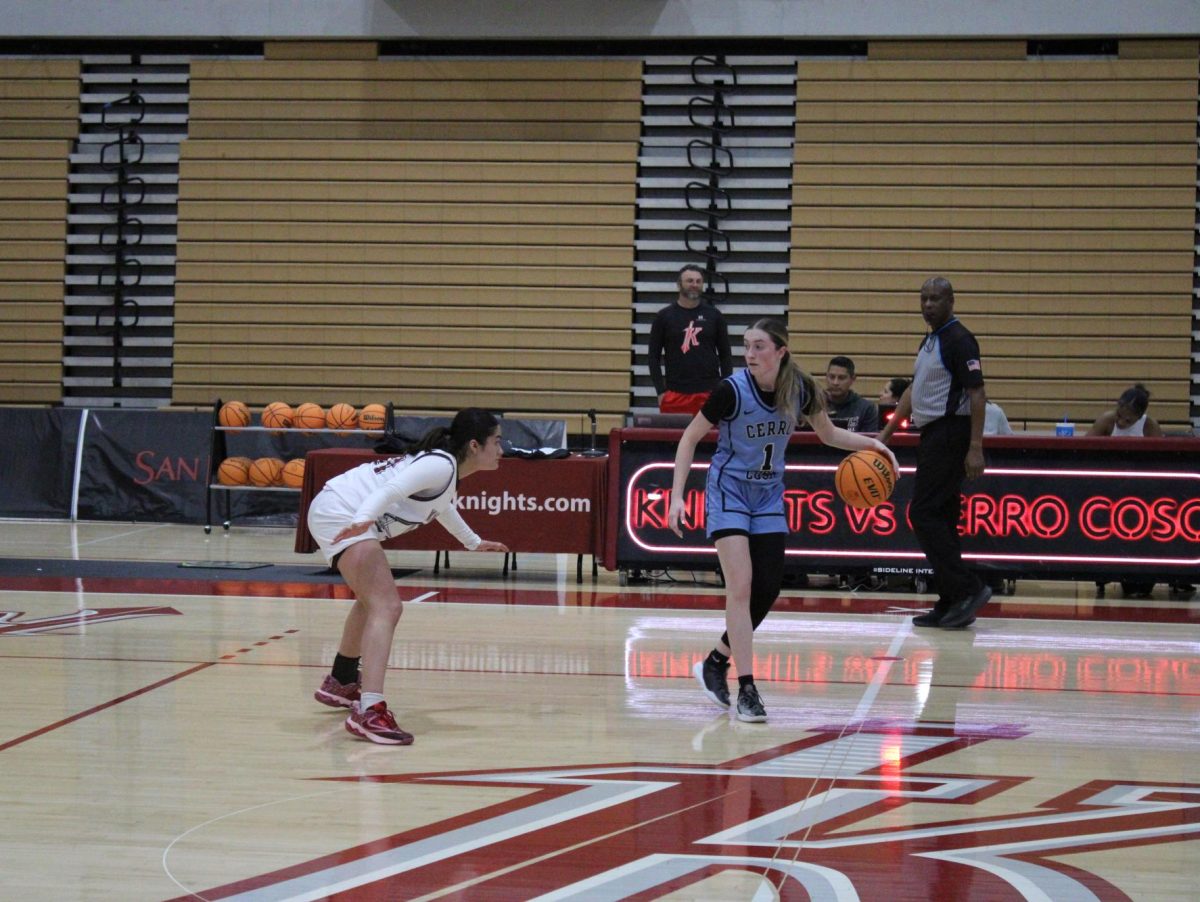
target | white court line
x=420, y=598
x=881, y=674
x=878, y=680
x=167, y=851
x=121, y=535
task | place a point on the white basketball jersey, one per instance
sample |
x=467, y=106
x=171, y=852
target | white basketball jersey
x=401, y=493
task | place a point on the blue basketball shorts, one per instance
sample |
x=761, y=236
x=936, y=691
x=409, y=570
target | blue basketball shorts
x=743, y=506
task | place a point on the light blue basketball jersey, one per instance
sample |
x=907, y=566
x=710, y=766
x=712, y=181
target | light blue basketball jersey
x=744, y=489
x=751, y=443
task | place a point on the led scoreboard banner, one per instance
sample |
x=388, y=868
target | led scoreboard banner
x=1078, y=508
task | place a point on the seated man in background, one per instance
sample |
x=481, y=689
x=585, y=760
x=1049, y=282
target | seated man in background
x=854, y=413
x=859, y=414
x=1129, y=417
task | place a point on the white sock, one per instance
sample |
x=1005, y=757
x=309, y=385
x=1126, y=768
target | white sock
x=368, y=699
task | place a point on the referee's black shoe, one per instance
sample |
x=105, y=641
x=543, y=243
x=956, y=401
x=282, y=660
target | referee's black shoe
x=932, y=617
x=962, y=614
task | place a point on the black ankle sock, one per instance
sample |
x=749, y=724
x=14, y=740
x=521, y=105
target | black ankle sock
x=747, y=680
x=717, y=658
x=345, y=670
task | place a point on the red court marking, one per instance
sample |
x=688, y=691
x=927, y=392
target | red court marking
x=90, y=711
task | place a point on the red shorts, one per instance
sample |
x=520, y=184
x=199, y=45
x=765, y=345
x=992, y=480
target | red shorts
x=677, y=402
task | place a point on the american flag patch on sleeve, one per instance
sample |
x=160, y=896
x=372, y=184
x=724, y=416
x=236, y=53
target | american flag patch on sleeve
x=973, y=365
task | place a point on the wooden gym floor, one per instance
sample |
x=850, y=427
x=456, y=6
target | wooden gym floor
x=159, y=740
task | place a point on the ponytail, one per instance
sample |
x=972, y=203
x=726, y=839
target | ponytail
x=469, y=424
x=792, y=384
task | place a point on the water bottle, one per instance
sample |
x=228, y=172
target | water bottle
x=1066, y=427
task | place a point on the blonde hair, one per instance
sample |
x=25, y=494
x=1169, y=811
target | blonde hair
x=791, y=379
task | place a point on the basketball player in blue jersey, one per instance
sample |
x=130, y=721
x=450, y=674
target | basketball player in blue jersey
x=755, y=411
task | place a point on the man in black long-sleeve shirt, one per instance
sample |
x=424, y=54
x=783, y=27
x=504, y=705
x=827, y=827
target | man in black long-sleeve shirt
x=695, y=338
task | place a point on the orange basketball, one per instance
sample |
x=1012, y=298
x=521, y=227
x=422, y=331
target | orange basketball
x=373, y=416
x=234, y=471
x=234, y=413
x=293, y=473
x=309, y=416
x=266, y=471
x=865, y=479
x=277, y=415
x=341, y=416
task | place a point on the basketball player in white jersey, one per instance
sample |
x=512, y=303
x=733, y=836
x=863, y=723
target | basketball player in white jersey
x=351, y=517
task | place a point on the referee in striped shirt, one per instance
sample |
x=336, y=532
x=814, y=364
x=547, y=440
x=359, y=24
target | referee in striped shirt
x=946, y=402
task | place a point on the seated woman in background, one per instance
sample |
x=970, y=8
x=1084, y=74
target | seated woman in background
x=892, y=390
x=1130, y=417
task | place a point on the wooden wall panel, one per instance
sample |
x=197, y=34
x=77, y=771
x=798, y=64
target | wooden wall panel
x=1057, y=195
x=39, y=115
x=438, y=232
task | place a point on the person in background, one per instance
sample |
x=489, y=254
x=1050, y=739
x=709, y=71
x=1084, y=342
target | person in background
x=892, y=391
x=755, y=412
x=994, y=420
x=1129, y=417
x=695, y=339
x=946, y=401
x=844, y=403
x=889, y=397
x=352, y=516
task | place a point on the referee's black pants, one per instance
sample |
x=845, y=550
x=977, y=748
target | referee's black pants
x=937, y=507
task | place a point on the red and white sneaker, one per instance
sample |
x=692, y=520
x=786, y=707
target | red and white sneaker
x=378, y=725
x=335, y=694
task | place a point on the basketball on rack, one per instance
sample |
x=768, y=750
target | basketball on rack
x=277, y=415
x=234, y=471
x=865, y=479
x=309, y=416
x=341, y=416
x=293, y=473
x=233, y=413
x=373, y=417
x=266, y=471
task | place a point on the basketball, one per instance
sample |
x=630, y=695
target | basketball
x=293, y=473
x=266, y=471
x=309, y=416
x=277, y=415
x=341, y=416
x=234, y=413
x=234, y=471
x=865, y=479
x=374, y=417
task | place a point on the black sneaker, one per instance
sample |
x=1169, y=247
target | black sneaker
x=962, y=614
x=750, y=707
x=931, y=617
x=712, y=680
